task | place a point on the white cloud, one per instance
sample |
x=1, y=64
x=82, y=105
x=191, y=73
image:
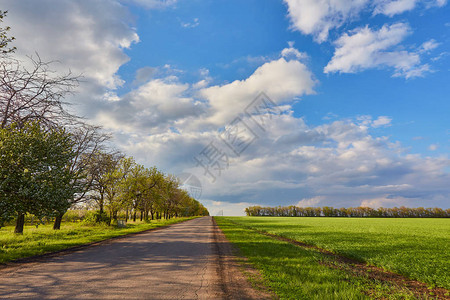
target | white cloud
x=163, y=103
x=382, y=121
x=365, y=48
x=195, y=22
x=318, y=17
x=428, y=46
x=433, y=147
x=391, y=8
x=337, y=164
x=282, y=79
x=216, y=208
x=144, y=74
x=166, y=122
x=395, y=7
x=292, y=52
x=384, y=201
x=154, y=107
x=311, y=202
x=152, y=4
x=86, y=37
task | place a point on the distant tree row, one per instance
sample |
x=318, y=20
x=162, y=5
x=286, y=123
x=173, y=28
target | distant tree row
x=119, y=184
x=52, y=160
x=356, y=212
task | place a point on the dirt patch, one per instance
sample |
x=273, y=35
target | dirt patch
x=418, y=289
x=238, y=279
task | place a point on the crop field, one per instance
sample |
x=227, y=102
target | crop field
x=415, y=248
x=44, y=239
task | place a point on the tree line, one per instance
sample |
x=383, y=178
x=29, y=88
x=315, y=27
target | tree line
x=52, y=160
x=355, y=212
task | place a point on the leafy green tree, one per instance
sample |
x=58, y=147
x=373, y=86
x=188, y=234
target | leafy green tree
x=4, y=38
x=149, y=198
x=114, y=196
x=102, y=164
x=34, y=173
x=88, y=140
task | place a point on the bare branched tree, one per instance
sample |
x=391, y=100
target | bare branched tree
x=36, y=93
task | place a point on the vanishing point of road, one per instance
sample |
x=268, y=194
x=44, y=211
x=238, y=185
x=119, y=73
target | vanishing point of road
x=188, y=260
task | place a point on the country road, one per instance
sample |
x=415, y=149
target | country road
x=189, y=260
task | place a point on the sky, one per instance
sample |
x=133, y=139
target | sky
x=264, y=102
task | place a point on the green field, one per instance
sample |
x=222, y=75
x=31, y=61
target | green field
x=416, y=248
x=44, y=239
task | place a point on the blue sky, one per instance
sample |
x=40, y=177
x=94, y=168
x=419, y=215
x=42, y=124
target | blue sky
x=363, y=87
x=227, y=34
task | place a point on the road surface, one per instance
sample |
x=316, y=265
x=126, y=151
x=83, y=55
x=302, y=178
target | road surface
x=183, y=261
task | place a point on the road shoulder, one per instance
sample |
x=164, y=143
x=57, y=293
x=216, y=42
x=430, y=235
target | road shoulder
x=235, y=273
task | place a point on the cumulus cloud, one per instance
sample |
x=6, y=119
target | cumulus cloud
x=365, y=48
x=152, y=4
x=310, y=202
x=164, y=103
x=154, y=107
x=166, y=122
x=384, y=201
x=144, y=74
x=382, y=121
x=391, y=8
x=394, y=7
x=84, y=36
x=292, y=52
x=428, y=46
x=337, y=164
x=318, y=17
x=281, y=79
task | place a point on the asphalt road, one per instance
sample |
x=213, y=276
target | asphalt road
x=182, y=261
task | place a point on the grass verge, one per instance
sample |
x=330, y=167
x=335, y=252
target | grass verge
x=42, y=240
x=294, y=272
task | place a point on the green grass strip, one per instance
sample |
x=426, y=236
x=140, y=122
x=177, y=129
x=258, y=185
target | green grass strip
x=41, y=240
x=293, y=272
x=413, y=247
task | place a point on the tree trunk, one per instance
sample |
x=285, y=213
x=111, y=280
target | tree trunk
x=58, y=219
x=101, y=203
x=141, y=215
x=134, y=216
x=19, y=223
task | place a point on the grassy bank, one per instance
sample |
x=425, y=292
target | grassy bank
x=294, y=272
x=416, y=248
x=44, y=239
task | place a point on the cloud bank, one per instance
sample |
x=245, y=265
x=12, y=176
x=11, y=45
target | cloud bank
x=166, y=122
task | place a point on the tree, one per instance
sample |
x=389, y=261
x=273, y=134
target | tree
x=152, y=179
x=168, y=195
x=34, y=170
x=102, y=164
x=4, y=38
x=88, y=141
x=114, y=180
x=34, y=94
